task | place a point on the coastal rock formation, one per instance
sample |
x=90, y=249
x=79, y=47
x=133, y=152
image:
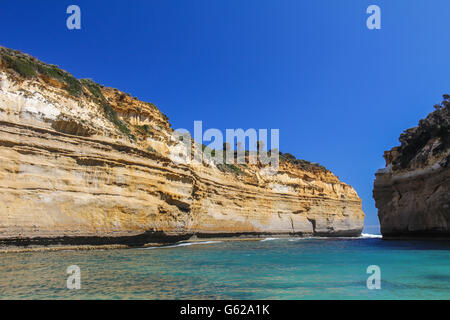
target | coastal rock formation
x=83, y=163
x=412, y=193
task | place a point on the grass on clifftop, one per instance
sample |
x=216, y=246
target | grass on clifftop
x=30, y=67
x=303, y=164
x=283, y=157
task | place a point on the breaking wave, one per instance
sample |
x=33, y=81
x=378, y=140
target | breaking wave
x=269, y=239
x=183, y=244
x=368, y=235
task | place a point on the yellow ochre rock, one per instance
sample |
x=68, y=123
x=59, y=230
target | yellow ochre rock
x=82, y=163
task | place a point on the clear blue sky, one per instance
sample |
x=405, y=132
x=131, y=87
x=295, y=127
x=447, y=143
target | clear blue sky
x=339, y=93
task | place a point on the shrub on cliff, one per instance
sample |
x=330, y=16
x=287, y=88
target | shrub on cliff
x=29, y=67
x=288, y=157
x=110, y=113
x=300, y=163
x=230, y=168
x=435, y=125
x=94, y=89
x=208, y=150
x=24, y=67
x=145, y=130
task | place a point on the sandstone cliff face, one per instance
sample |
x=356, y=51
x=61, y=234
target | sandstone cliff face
x=412, y=193
x=84, y=163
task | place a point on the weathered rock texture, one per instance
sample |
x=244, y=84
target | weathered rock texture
x=412, y=193
x=82, y=163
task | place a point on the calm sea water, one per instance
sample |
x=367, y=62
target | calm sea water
x=273, y=269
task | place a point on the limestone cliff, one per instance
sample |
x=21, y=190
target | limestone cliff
x=83, y=163
x=412, y=193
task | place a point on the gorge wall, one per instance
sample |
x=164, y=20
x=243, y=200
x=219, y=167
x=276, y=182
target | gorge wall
x=412, y=193
x=83, y=163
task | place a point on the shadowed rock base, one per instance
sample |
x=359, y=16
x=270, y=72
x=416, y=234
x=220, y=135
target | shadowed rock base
x=157, y=238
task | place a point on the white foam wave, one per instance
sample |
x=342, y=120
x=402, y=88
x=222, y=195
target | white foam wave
x=362, y=236
x=269, y=239
x=183, y=244
x=368, y=235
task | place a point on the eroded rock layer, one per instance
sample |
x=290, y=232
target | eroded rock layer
x=82, y=163
x=412, y=193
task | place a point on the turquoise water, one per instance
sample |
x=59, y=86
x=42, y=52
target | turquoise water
x=276, y=269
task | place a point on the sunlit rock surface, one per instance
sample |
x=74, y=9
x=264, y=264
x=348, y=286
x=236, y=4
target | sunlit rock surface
x=82, y=163
x=412, y=193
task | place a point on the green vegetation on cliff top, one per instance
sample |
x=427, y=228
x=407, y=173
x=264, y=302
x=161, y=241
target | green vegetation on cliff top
x=30, y=67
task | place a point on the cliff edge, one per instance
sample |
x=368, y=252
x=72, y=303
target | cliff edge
x=81, y=163
x=412, y=193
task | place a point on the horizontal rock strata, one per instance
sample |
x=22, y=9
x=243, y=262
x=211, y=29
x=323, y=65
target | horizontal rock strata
x=85, y=164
